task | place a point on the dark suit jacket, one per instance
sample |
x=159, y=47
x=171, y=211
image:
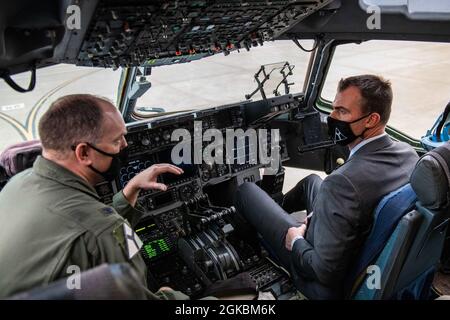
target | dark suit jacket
x=343, y=214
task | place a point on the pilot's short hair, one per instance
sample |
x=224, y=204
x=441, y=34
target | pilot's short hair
x=376, y=94
x=70, y=120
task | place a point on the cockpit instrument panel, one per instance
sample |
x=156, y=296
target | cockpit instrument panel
x=133, y=33
x=188, y=231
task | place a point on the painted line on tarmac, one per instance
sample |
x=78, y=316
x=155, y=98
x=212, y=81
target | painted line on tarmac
x=28, y=131
x=11, y=107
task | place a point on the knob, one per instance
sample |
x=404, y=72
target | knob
x=166, y=135
x=145, y=141
x=206, y=176
x=115, y=47
x=157, y=138
x=112, y=51
x=207, y=265
x=98, y=47
x=197, y=286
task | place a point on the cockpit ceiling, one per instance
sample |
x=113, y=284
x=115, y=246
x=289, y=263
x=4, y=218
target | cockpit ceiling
x=124, y=33
x=359, y=20
x=113, y=33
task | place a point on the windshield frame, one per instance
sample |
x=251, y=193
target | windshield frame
x=127, y=104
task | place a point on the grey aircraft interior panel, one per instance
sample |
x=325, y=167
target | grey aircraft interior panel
x=438, y=10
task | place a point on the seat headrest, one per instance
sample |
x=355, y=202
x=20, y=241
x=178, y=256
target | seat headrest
x=429, y=181
x=20, y=156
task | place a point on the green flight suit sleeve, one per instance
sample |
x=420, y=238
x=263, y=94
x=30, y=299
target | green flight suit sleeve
x=126, y=210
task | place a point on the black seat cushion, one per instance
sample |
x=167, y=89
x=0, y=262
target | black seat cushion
x=430, y=183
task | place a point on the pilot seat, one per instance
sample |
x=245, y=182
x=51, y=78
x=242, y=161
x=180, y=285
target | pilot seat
x=407, y=237
x=18, y=157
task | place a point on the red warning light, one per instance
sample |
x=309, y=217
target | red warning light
x=126, y=27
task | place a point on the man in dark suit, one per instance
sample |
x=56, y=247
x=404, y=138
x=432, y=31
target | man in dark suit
x=320, y=252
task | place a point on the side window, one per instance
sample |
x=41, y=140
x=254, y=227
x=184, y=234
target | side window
x=20, y=112
x=419, y=73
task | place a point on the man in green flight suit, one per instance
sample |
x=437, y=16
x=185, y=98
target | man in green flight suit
x=51, y=218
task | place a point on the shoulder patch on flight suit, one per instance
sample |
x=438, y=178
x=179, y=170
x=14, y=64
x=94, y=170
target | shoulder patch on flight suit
x=128, y=239
x=106, y=210
x=119, y=235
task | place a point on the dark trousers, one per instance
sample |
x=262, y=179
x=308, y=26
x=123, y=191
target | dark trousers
x=269, y=219
x=303, y=195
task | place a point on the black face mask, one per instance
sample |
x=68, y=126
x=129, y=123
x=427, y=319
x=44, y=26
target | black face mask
x=118, y=160
x=341, y=131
